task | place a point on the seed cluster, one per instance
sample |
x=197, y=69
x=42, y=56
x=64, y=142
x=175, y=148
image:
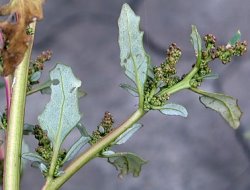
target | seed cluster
x=37, y=66
x=104, y=128
x=45, y=149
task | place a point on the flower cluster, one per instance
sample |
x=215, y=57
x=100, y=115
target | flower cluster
x=104, y=128
x=36, y=67
x=3, y=121
x=45, y=149
x=212, y=52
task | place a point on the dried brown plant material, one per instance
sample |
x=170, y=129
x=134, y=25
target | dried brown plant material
x=16, y=40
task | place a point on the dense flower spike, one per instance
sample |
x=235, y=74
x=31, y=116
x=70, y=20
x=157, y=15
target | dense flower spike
x=36, y=67
x=104, y=128
x=45, y=149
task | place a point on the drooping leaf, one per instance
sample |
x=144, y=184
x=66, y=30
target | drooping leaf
x=127, y=134
x=43, y=168
x=75, y=148
x=130, y=89
x=126, y=163
x=34, y=157
x=61, y=114
x=174, y=109
x=225, y=105
x=133, y=57
x=196, y=41
x=15, y=37
x=236, y=38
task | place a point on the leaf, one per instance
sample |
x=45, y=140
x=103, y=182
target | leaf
x=28, y=128
x=33, y=157
x=76, y=148
x=15, y=38
x=82, y=130
x=108, y=153
x=127, y=134
x=2, y=85
x=130, y=89
x=227, y=106
x=236, y=38
x=174, y=109
x=196, y=41
x=126, y=163
x=133, y=57
x=43, y=168
x=61, y=114
x=211, y=76
x=35, y=76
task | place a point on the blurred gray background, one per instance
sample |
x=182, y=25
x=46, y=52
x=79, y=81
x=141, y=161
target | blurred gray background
x=194, y=153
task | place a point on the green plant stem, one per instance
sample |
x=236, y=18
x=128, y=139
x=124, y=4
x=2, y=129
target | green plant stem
x=12, y=169
x=92, y=152
x=184, y=84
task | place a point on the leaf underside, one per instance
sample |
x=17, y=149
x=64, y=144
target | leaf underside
x=227, y=107
x=133, y=57
x=127, y=163
x=61, y=114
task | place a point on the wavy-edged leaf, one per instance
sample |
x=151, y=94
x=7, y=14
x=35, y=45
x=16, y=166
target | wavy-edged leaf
x=133, y=57
x=126, y=163
x=174, y=109
x=196, y=41
x=227, y=106
x=236, y=38
x=61, y=114
x=130, y=89
x=75, y=148
x=127, y=134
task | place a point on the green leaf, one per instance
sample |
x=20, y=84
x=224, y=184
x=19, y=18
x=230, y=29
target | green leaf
x=108, y=153
x=174, y=109
x=81, y=142
x=196, y=41
x=236, y=38
x=2, y=85
x=61, y=114
x=126, y=163
x=227, y=106
x=82, y=130
x=133, y=57
x=34, y=157
x=28, y=129
x=35, y=76
x=130, y=89
x=211, y=76
x=127, y=134
x=43, y=168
